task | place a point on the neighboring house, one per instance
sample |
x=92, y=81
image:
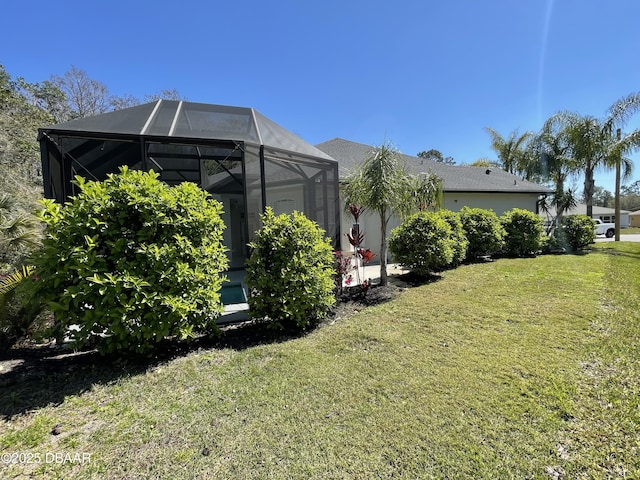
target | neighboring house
x=634, y=219
x=607, y=215
x=476, y=187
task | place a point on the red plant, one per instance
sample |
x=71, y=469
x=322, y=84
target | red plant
x=366, y=255
x=355, y=237
x=356, y=211
x=343, y=267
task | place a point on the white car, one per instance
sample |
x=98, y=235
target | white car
x=606, y=229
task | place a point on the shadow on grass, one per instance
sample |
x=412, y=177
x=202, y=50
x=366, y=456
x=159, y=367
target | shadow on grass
x=33, y=377
x=618, y=250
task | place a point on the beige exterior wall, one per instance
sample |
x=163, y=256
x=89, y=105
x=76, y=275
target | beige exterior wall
x=634, y=220
x=498, y=202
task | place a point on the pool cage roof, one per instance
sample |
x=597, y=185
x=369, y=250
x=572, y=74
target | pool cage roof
x=190, y=120
x=96, y=146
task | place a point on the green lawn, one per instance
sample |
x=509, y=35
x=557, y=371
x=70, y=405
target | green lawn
x=523, y=368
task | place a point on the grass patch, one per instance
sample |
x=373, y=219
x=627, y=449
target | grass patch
x=519, y=368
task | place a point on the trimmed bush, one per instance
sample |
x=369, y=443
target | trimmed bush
x=483, y=231
x=576, y=232
x=523, y=232
x=290, y=274
x=423, y=242
x=457, y=232
x=132, y=261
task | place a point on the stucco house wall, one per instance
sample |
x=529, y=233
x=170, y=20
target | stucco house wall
x=498, y=202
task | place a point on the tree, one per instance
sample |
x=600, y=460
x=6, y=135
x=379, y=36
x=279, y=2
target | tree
x=601, y=197
x=630, y=196
x=422, y=192
x=436, y=156
x=511, y=151
x=631, y=189
x=85, y=96
x=553, y=150
x=486, y=163
x=593, y=144
x=619, y=114
x=380, y=185
x=19, y=123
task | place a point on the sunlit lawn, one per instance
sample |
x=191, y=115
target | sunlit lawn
x=524, y=368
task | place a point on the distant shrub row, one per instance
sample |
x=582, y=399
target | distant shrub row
x=429, y=241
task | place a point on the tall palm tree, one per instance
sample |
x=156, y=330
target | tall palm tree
x=619, y=114
x=379, y=184
x=511, y=151
x=553, y=148
x=593, y=143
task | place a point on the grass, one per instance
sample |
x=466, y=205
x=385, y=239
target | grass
x=525, y=368
x=630, y=230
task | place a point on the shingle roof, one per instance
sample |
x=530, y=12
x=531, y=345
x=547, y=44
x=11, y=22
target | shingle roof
x=456, y=178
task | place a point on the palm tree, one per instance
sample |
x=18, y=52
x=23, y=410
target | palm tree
x=422, y=192
x=511, y=151
x=380, y=184
x=553, y=149
x=619, y=114
x=18, y=230
x=593, y=145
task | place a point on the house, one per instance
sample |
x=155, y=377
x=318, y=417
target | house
x=245, y=160
x=476, y=187
x=634, y=219
x=607, y=215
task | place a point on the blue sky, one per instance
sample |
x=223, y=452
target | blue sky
x=420, y=74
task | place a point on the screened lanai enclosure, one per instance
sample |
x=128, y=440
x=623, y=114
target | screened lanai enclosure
x=242, y=158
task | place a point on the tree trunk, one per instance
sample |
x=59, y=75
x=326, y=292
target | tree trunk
x=383, y=249
x=589, y=184
x=617, y=199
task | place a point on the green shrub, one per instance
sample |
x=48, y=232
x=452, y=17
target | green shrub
x=423, y=242
x=551, y=244
x=132, y=260
x=576, y=232
x=523, y=232
x=290, y=274
x=460, y=239
x=483, y=231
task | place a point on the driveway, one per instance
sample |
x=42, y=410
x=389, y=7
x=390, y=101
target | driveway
x=623, y=238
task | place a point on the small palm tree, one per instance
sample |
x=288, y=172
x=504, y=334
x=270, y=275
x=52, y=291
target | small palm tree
x=379, y=185
x=18, y=230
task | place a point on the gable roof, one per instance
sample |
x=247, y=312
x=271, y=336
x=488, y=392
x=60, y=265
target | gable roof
x=181, y=119
x=456, y=178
